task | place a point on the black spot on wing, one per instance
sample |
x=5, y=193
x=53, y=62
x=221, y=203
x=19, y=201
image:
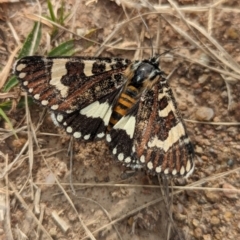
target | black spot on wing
x=121, y=141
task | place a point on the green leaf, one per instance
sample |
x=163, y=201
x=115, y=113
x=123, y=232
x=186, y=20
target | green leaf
x=29, y=48
x=65, y=49
x=12, y=82
x=32, y=41
x=6, y=106
x=4, y=116
x=50, y=9
x=61, y=17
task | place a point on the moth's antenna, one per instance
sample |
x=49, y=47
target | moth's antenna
x=144, y=22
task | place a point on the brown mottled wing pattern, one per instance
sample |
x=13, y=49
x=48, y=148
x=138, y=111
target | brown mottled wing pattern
x=66, y=84
x=80, y=91
x=160, y=138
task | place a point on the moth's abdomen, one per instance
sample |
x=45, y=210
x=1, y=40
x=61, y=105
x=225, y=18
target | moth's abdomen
x=125, y=102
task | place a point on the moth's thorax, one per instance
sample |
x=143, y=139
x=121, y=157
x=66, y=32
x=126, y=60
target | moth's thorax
x=140, y=76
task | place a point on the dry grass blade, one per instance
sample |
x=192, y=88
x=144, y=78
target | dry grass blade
x=219, y=2
x=214, y=123
x=224, y=57
x=5, y=203
x=215, y=69
x=26, y=207
x=89, y=234
x=230, y=96
x=42, y=210
x=37, y=198
x=7, y=69
x=210, y=20
x=31, y=133
x=9, y=166
x=130, y=213
x=60, y=222
x=170, y=10
x=106, y=213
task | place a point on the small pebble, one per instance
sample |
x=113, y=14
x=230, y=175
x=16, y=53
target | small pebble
x=195, y=222
x=212, y=196
x=228, y=216
x=168, y=58
x=198, y=233
x=224, y=94
x=204, y=114
x=182, y=107
x=198, y=149
x=230, y=194
x=215, y=220
x=53, y=232
x=183, y=81
x=203, y=78
x=204, y=59
x=207, y=237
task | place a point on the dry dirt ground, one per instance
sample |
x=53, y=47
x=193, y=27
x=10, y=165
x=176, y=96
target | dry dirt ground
x=105, y=199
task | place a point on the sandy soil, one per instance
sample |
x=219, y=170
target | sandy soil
x=105, y=198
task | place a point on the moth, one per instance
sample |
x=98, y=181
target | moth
x=129, y=103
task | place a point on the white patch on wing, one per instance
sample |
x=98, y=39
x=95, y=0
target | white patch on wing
x=54, y=119
x=190, y=168
x=69, y=129
x=37, y=96
x=77, y=135
x=69, y=111
x=142, y=159
x=158, y=169
x=166, y=171
x=150, y=165
x=108, y=138
x=98, y=110
x=101, y=135
x=54, y=107
x=60, y=117
x=120, y=156
x=182, y=170
x=20, y=66
x=164, y=113
x=22, y=75
x=173, y=136
x=88, y=65
x=127, y=160
x=114, y=151
x=86, y=137
x=44, y=102
x=58, y=71
x=163, y=94
x=126, y=123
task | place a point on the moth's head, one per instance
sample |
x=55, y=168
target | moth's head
x=145, y=73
